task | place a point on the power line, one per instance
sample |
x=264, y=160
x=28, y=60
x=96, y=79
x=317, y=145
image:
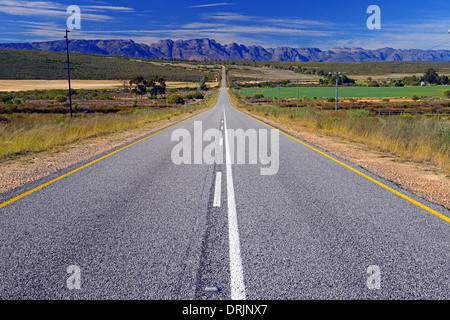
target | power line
x=438, y=45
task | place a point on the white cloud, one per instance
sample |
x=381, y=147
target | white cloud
x=212, y=5
x=44, y=9
x=392, y=40
x=230, y=16
x=197, y=25
x=105, y=8
x=26, y=8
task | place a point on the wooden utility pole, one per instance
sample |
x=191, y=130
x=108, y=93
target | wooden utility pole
x=68, y=72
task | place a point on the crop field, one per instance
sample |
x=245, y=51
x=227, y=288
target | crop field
x=26, y=85
x=349, y=92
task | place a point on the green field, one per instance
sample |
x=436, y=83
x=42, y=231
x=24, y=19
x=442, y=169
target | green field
x=349, y=92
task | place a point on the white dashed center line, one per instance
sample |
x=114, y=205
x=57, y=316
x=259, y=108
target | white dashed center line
x=218, y=189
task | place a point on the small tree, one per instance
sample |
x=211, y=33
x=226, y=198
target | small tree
x=157, y=85
x=139, y=86
x=443, y=80
x=431, y=76
x=447, y=93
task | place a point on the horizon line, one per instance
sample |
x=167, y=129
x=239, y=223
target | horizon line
x=210, y=39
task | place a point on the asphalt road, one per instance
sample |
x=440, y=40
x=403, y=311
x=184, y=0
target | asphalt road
x=135, y=225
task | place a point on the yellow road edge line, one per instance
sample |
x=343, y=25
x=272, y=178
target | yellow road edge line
x=438, y=214
x=3, y=204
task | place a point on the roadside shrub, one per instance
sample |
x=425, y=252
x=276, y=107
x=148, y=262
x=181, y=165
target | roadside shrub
x=197, y=95
x=175, y=98
x=60, y=99
x=407, y=116
x=4, y=119
x=361, y=113
x=6, y=97
x=447, y=93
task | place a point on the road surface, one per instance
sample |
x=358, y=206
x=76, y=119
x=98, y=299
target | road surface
x=135, y=225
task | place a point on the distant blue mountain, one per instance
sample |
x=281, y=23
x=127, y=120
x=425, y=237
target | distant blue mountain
x=207, y=49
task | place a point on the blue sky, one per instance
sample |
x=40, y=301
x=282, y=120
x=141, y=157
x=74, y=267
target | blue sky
x=322, y=24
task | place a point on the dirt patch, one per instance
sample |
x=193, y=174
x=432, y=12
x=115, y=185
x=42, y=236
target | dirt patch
x=27, y=85
x=386, y=77
x=378, y=100
x=421, y=179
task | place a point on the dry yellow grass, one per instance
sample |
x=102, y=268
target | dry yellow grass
x=420, y=139
x=384, y=76
x=30, y=133
x=174, y=85
x=27, y=85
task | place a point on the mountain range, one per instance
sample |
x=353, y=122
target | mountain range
x=208, y=49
